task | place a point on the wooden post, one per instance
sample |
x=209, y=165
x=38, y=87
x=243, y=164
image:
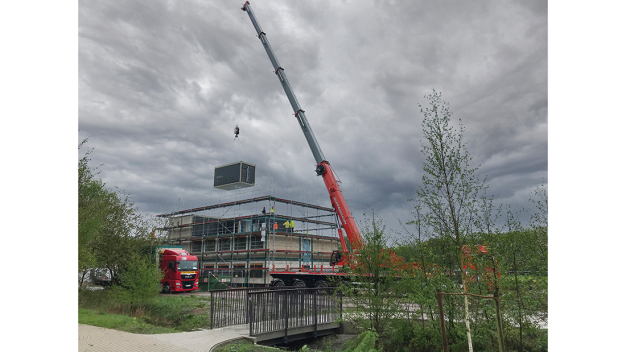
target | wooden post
x=496, y=300
x=442, y=322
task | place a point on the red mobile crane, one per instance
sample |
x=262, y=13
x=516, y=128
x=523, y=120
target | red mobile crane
x=320, y=278
x=323, y=168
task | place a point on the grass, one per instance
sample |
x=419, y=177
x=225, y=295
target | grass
x=160, y=314
x=119, y=322
x=244, y=346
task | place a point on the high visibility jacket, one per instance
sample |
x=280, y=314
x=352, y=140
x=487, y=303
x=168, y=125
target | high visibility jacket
x=275, y=226
x=292, y=224
x=287, y=224
x=272, y=210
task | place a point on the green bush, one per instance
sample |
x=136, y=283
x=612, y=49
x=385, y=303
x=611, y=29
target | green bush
x=426, y=338
x=100, y=299
x=364, y=342
x=533, y=339
x=177, y=312
x=139, y=283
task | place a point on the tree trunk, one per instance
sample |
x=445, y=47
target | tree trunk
x=82, y=279
x=519, y=303
x=467, y=322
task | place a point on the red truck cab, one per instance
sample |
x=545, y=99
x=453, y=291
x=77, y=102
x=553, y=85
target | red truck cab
x=180, y=270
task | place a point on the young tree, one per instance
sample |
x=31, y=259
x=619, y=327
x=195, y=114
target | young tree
x=374, y=287
x=539, y=223
x=139, y=282
x=450, y=184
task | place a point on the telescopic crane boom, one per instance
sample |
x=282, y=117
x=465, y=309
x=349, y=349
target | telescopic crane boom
x=323, y=166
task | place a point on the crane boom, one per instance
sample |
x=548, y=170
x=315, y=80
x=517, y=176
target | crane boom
x=323, y=166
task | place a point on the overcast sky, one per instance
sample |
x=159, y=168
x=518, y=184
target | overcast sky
x=162, y=84
x=359, y=70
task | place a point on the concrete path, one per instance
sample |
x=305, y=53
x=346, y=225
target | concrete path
x=93, y=338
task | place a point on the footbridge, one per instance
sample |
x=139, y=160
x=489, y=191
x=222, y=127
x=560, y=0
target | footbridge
x=276, y=316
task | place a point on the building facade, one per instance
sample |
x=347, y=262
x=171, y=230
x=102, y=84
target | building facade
x=249, y=244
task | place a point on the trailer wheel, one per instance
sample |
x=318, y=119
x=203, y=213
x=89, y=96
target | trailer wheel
x=279, y=283
x=299, y=284
x=166, y=288
x=321, y=284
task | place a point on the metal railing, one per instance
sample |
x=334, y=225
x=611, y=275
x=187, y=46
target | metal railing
x=277, y=310
x=230, y=307
x=272, y=309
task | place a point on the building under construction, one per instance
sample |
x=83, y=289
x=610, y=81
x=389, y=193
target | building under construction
x=246, y=239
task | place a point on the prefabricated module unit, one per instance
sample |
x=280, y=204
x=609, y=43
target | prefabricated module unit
x=234, y=176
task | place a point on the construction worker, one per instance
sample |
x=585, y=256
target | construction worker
x=272, y=210
x=263, y=211
x=287, y=224
x=275, y=226
x=292, y=225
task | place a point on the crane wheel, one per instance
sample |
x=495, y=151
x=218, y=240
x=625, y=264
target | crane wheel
x=299, y=284
x=321, y=284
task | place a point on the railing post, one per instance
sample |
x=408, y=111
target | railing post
x=250, y=311
x=212, y=310
x=302, y=304
x=315, y=291
x=442, y=321
x=340, y=304
x=286, y=301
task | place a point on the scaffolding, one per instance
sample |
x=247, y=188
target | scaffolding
x=237, y=239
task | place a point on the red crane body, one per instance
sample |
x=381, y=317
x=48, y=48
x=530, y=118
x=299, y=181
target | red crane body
x=323, y=167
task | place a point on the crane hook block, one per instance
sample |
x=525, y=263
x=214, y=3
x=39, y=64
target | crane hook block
x=320, y=169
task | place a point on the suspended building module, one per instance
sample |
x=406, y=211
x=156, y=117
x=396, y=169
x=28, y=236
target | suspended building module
x=234, y=176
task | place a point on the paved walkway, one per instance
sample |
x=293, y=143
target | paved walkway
x=96, y=339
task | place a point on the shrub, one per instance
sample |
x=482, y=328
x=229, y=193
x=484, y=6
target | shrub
x=139, y=283
x=364, y=342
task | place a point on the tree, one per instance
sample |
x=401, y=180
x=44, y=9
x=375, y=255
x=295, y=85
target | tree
x=450, y=185
x=94, y=202
x=375, y=283
x=113, y=235
x=539, y=223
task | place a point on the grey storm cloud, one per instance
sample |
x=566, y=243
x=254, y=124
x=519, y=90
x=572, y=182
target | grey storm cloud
x=162, y=84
